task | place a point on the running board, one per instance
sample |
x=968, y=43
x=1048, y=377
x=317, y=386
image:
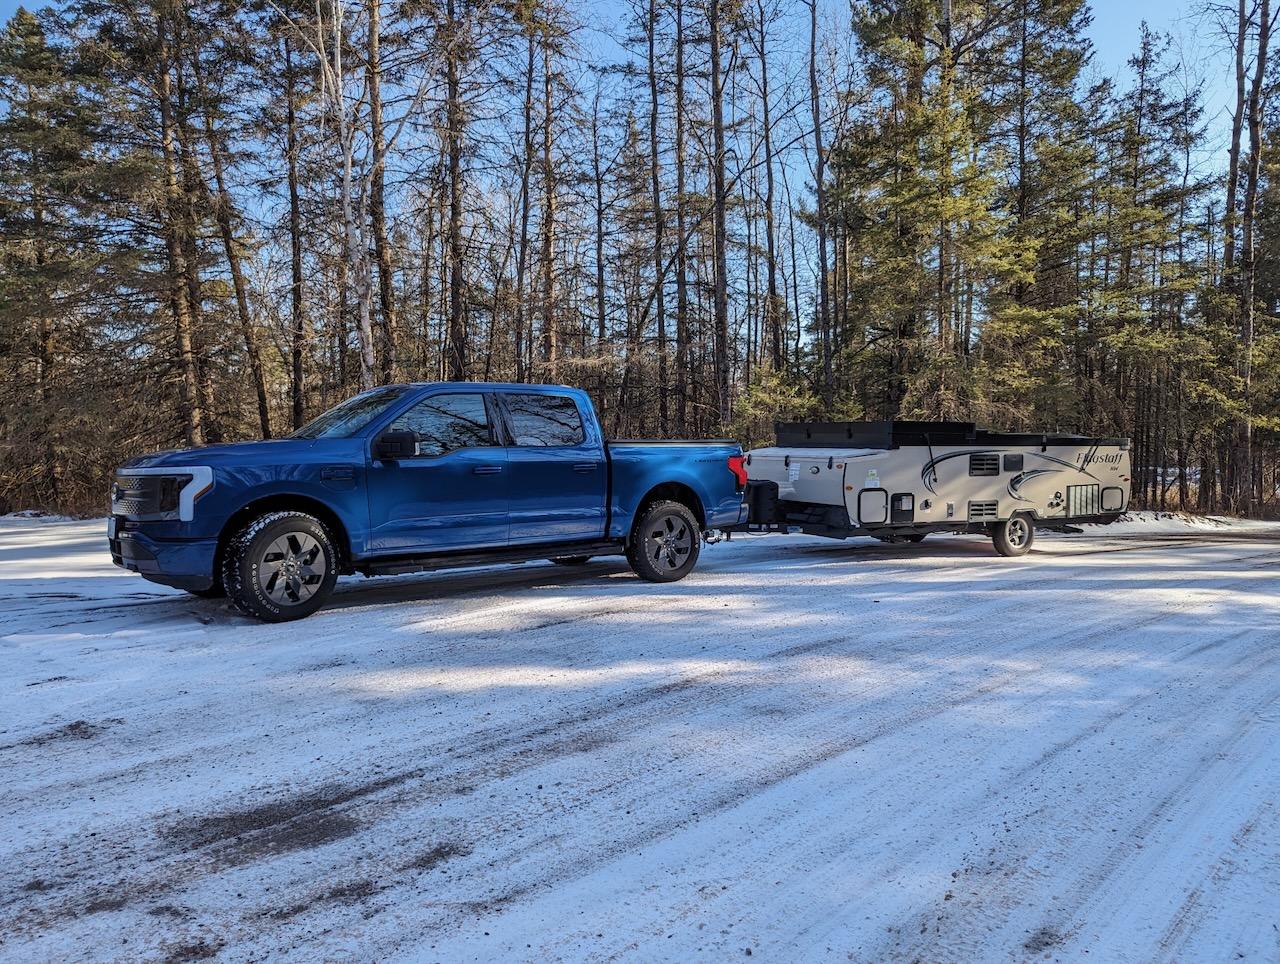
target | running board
x=400, y=565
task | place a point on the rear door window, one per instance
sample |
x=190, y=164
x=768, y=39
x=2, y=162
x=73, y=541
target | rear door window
x=446, y=423
x=543, y=421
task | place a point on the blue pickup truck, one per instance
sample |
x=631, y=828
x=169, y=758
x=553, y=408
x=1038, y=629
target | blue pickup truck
x=405, y=478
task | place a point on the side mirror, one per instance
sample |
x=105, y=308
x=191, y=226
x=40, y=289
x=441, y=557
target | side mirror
x=395, y=444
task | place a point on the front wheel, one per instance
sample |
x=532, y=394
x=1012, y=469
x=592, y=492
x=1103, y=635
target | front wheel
x=281, y=566
x=1014, y=536
x=665, y=543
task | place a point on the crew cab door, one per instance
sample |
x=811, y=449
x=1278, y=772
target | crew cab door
x=558, y=471
x=453, y=492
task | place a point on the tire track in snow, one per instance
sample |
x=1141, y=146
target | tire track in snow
x=966, y=926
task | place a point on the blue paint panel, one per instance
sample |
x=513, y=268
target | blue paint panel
x=703, y=467
x=558, y=492
x=456, y=501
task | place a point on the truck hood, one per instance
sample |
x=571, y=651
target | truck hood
x=241, y=453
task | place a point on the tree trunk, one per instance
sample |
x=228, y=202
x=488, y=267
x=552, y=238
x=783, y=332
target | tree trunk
x=820, y=199
x=526, y=166
x=682, y=238
x=297, y=316
x=550, y=322
x=1233, y=154
x=180, y=306
x=1249, y=265
x=457, y=353
x=224, y=208
x=659, y=266
x=597, y=177
x=377, y=199
x=719, y=203
x=773, y=306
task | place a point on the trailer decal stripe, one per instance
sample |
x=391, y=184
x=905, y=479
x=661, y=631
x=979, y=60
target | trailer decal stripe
x=1015, y=483
x=929, y=474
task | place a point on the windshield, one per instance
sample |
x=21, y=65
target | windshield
x=345, y=420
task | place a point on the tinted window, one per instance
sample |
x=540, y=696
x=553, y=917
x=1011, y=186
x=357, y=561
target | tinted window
x=544, y=420
x=445, y=423
x=343, y=421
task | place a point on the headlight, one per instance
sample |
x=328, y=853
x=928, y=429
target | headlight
x=170, y=487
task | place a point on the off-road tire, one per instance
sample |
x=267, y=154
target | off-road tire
x=1014, y=536
x=246, y=572
x=665, y=542
x=571, y=560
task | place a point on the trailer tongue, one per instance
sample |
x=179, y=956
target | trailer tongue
x=899, y=481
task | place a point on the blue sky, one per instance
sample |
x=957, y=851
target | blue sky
x=1115, y=35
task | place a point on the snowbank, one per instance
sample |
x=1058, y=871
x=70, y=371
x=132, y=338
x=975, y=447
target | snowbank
x=1161, y=523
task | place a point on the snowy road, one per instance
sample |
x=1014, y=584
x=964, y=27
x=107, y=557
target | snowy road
x=806, y=750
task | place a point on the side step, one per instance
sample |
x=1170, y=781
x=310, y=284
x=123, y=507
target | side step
x=399, y=565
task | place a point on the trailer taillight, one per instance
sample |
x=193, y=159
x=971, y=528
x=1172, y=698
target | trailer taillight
x=738, y=466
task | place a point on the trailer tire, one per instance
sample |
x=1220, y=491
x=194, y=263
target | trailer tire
x=665, y=542
x=291, y=546
x=1014, y=536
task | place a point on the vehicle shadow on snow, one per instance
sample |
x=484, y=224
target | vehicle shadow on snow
x=611, y=574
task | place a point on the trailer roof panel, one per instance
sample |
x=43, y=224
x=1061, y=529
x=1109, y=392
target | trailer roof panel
x=894, y=434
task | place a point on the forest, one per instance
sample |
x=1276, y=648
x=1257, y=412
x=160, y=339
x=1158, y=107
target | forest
x=219, y=218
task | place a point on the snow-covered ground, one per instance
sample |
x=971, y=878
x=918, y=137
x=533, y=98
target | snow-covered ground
x=806, y=750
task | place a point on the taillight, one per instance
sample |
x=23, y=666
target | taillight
x=738, y=466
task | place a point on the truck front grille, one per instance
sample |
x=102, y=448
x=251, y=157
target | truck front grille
x=143, y=496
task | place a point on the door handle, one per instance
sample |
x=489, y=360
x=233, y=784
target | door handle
x=584, y=466
x=487, y=469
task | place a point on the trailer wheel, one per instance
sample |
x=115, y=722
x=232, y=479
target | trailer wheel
x=1014, y=536
x=665, y=543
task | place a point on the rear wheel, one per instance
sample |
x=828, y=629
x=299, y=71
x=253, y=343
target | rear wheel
x=281, y=566
x=665, y=543
x=571, y=560
x=1014, y=536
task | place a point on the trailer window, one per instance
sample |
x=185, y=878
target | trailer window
x=1013, y=463
x=984, y=463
